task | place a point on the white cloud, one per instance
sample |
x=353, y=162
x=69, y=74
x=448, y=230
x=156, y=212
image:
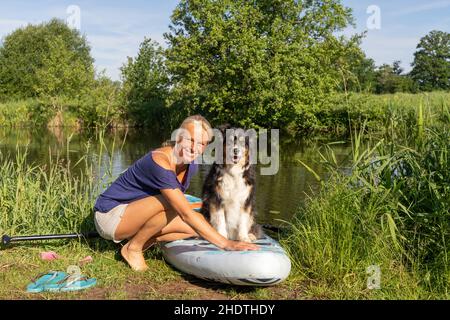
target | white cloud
x=115, y=34
x=111, y=51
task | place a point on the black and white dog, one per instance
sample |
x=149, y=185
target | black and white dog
x=229, y=190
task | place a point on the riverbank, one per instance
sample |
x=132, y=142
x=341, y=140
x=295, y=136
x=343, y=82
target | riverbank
x=346, y=113
x=386, y=219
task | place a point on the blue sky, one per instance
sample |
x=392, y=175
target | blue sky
x=115, y=29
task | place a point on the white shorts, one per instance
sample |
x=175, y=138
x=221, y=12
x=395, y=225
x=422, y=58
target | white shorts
x=106, y=223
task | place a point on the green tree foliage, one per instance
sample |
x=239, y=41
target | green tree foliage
x=390, y=79
x=431, y=66
x=360, y=69
x=145, y=85
x=61, y=72
x=101, y=105
x=265, y=63
x=45, y=60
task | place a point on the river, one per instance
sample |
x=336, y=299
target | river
x=277, y=196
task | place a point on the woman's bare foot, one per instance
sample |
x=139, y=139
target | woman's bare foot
x=134, y=258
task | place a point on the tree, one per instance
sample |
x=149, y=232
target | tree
x=62, y=72
x=390, y=79
x=45, y=59
x=431, y=66
x=365, y=73
x=361, y=71
x=101, y=105
x=145, y=85
x=266, y=63
x=386, y=79
x=396, y=68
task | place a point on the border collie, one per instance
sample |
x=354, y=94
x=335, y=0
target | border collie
x=229, y=190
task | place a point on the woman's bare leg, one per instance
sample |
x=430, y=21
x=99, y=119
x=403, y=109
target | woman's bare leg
x=147, y=219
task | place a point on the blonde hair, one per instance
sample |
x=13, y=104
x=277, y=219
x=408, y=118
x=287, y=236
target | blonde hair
x=192, y=119
x=198, y=118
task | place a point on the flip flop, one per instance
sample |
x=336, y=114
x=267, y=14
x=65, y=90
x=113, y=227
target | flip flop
x=37, y=284
x=71, y=283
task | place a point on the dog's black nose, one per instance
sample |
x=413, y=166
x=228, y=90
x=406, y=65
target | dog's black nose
x=236, y=151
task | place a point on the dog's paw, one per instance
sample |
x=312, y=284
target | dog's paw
x=252, y=237
x=245, y=238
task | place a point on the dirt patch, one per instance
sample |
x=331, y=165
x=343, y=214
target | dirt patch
x=171, y=290
x=185, y=289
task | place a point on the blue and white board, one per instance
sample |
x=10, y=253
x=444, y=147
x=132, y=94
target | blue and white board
x=265, y=267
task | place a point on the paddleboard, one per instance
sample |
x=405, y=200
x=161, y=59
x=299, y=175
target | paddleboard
x=267, y=266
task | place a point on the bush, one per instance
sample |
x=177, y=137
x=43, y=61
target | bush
x=100, y=106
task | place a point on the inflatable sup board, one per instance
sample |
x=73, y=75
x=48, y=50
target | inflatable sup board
x=264, y=267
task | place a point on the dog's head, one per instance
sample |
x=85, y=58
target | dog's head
x=235, y=146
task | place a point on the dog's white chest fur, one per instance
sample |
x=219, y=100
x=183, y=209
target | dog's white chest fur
x=233, y=189
x=231, y=220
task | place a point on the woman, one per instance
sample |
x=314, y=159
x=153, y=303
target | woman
x=147, y=203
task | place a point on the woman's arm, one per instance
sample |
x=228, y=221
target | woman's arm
x=198, y=222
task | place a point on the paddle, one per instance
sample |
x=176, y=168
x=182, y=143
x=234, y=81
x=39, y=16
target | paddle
x=6, y=239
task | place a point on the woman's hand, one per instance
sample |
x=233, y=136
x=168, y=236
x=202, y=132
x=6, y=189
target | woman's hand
x=240, y=246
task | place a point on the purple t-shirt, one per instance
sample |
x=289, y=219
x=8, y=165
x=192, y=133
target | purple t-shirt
x=144, y=178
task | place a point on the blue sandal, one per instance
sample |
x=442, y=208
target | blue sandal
x=40, y=281
x=71, y=283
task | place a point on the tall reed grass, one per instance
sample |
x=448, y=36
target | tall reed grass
x=390, y=209
x=395, y=112
x=56, y=197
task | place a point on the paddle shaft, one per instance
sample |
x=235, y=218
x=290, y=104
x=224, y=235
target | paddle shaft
x=7, y=239
x=92, y=234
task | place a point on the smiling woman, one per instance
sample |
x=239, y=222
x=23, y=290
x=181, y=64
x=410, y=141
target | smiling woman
x=147, y=202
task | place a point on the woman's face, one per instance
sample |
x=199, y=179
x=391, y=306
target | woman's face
x=192, y=142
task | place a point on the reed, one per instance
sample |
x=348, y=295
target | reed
x=389, y=209
x=55, y=197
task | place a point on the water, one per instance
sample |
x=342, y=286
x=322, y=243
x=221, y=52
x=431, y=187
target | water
x=277, y=196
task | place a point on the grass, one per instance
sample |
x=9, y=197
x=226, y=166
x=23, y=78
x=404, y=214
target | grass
x=115, y=280
x=396, y=112
x=56, y=112
x=16, y=113
x=390, y=209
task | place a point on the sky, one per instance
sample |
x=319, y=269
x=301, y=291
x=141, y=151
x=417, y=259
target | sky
x=115, y=29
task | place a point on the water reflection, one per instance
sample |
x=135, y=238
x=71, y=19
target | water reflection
x=278, y=196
